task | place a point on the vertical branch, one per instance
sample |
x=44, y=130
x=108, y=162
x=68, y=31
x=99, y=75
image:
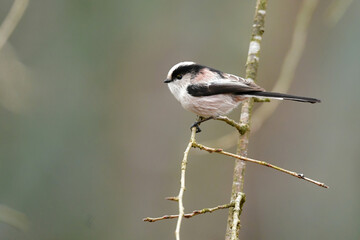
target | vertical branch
x=12, y=19
x=290, y=63
x=287, y=72
x=252, y=64
x=182, y=183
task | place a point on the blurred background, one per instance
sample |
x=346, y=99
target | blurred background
x=92, y=139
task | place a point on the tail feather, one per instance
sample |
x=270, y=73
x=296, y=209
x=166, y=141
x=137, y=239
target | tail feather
x=283, y=96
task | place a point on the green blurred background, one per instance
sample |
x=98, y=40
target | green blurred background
x=91, y=139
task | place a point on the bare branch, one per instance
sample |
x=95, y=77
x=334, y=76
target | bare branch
x=175, y=199
x=189, y=215
x=290, y=62
x=246, y=159
x=252, y=65
x=182, y=182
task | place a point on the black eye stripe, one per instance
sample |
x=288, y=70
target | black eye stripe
x=182, y=70
x=194, y=69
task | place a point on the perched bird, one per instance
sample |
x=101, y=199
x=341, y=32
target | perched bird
x=210, y=93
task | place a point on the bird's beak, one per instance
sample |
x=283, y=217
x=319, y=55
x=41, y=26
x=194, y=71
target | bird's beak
x=167, y=81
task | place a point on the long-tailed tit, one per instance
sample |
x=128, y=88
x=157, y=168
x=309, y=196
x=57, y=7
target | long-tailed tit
x=210, y=93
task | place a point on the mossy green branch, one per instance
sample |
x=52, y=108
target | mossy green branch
x=242, y=128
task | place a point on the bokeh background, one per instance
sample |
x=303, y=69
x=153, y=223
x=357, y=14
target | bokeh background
x=91, y=138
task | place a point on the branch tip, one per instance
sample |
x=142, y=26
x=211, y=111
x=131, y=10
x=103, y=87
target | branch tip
x=175, y=199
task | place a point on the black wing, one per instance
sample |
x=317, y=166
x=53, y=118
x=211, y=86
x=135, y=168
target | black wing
x=199, y=90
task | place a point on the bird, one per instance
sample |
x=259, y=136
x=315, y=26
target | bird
x=210, y=93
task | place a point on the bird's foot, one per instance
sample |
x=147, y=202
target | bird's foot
x=196, y=125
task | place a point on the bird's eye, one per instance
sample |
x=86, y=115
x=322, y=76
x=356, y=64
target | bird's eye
x=179, y=76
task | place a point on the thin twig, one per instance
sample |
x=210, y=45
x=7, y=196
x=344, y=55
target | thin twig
x=240, y=199
x=241, y=128
x=182, y=183
x=175, y=199
x=12, y=19
x=246, y=159
x=189, y=215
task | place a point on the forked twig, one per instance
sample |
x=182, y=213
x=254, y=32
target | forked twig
x=241, y=128
x=239, y=198
x=239, y=202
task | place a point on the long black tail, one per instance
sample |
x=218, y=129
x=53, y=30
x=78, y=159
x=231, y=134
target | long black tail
x=282, y=96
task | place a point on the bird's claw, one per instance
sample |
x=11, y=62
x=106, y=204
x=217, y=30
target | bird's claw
x=196, y=125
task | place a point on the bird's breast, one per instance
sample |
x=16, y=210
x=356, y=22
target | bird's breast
x=208, y=106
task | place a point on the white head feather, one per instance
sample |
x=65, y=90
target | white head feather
x=180, y=64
